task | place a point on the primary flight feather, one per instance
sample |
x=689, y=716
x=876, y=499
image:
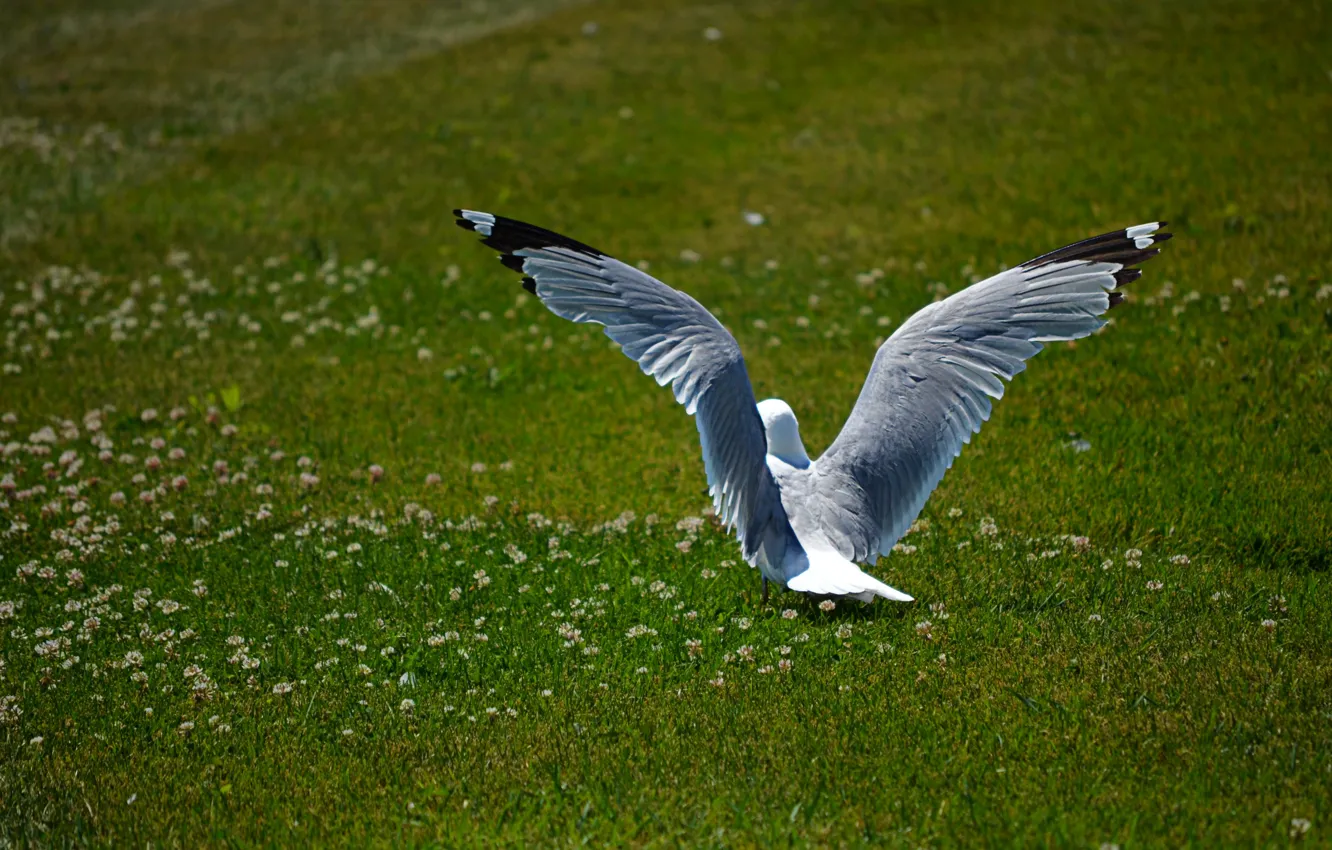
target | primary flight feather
x=807, y=524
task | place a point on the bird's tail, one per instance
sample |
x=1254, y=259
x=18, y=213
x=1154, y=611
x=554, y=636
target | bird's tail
x=830, y=574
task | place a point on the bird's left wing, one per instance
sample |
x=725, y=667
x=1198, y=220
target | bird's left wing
x=674, y=339
x=932, y=382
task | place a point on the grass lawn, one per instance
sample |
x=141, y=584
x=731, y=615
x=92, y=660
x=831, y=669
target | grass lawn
x=317, y=529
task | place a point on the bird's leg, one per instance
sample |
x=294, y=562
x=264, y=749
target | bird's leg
x=765, y=590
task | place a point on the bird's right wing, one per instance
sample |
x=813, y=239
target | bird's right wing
x=674, y=339
x=932, y=382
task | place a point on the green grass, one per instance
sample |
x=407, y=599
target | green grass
x=314, y=294
x=99, y=95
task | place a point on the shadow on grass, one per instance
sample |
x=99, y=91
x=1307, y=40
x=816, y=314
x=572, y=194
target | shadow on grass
x=1282, y=551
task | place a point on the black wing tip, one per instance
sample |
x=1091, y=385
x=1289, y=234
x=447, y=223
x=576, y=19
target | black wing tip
x=1123, y=277
x=1127, y=247
x=509, y=236
x=1126, y=276
x=513, y=238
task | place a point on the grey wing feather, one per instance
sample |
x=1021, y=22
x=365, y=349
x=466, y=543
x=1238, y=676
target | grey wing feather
x=932, y=383
x=674, y=339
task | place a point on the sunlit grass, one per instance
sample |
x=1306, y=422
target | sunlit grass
x=318, y=529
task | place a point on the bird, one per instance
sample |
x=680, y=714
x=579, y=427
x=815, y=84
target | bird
x=810, y=524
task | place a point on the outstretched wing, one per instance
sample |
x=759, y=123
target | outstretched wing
x=932, y=382
x=674, y=339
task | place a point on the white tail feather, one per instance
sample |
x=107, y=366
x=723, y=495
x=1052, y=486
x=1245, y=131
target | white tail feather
x=830, y=574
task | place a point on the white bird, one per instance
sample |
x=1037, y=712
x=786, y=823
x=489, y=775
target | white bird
x=807, y=524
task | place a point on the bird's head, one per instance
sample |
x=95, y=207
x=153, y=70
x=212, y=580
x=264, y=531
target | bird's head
x=782, y=432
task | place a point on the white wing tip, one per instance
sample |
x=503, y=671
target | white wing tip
x=1141, y=230
x=482, y=222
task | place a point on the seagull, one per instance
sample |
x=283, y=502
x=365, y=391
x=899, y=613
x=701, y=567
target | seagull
x=807, y=524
